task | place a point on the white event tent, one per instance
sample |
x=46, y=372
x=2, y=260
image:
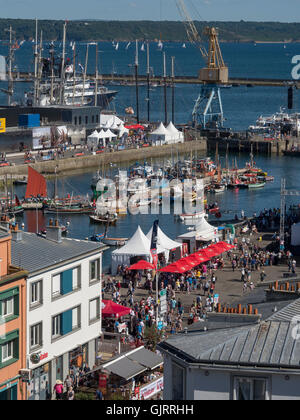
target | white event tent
x=138, y=246
x=204, y=232
x=176, y=136
x=165, y=242
x=160, y=136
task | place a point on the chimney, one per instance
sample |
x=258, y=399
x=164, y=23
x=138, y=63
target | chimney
x=53, y=232
x=16, y=234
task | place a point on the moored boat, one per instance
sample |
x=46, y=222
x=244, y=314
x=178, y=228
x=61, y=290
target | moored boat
x=256, y=185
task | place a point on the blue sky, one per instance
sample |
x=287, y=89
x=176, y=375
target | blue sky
x=260, y=10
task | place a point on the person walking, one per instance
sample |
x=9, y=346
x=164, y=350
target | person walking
x=71, y=394
x=59, y=390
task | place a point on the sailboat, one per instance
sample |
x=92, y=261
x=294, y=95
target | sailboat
x=183, y=46
x=128, y=45
x=143, y=47
x=160, y=45
x=36, y=191
x=117, y=46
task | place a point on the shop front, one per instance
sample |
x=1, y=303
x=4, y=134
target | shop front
x=9, y=392
x=78, y=358
x=39, y=386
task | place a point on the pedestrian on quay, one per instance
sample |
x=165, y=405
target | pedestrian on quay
x=59, y=390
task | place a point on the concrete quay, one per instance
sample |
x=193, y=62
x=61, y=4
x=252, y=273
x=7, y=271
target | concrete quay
x=88, y=160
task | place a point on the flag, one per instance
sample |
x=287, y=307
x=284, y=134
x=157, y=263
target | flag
x=153, y=247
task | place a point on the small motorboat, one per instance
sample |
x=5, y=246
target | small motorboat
x=98, y=237
x=256, y=185
x=218, y=189
x=114, y=241
x=191, y=216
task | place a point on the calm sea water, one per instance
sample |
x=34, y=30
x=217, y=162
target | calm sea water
x=242, y=106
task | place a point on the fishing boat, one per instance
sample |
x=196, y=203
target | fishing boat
x=103, y=218
x=20, y=181
x=59, y=208
x=36, y=191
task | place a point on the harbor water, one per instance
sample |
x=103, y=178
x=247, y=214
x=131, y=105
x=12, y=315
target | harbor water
x=242, y=106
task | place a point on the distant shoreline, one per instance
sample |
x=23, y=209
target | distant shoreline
x=172, y=31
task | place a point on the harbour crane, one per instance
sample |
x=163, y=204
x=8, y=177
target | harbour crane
x=208, y=109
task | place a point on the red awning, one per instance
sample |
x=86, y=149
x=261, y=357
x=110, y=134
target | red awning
x=207, y=253
x=198, y=259
x=112, y=309
x=142, y=265
x=221, y=247
x=173, y=268
x=135, y=127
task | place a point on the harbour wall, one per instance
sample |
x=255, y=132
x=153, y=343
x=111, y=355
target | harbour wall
x=116, y=157
x=256, y=144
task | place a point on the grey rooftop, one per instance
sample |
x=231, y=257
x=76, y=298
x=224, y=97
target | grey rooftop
x=35, y=253
x=268, y=344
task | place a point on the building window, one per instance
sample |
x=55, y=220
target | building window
x=250, y=389
x=95, y=270
x=36, y=297
x=94, y=310
x=9, y=304
x=79, y=120
x=56, y=326
x=97, y=119
x=75, y=120
x=36, y=336
x=7, y=351
x=93, y=119
x=9, y=348
x=66, y=282
x=177, y=382
x=66, y=322
x=76, y=318
x=7, y=309
x=86, y=120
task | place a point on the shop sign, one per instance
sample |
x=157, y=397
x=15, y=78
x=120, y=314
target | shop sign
x=36, y=358
x=152, y=389
x=2, y=125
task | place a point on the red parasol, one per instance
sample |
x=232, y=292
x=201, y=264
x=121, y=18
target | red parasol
x=142, y=265
x=114, y=310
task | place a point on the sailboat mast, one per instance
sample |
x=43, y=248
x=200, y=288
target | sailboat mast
x=165, y=89
x=96, y=77
x=137, y=82
x=85, y=72
x=52, y=73
x=148, y=82
x=74, y=70
x=173, y=90
x=61, y=93
x=35, y=63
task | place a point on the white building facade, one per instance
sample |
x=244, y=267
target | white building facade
x=63, y=309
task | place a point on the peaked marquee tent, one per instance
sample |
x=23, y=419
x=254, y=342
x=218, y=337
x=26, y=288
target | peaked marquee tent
x=165, y=242
x=138, y=246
